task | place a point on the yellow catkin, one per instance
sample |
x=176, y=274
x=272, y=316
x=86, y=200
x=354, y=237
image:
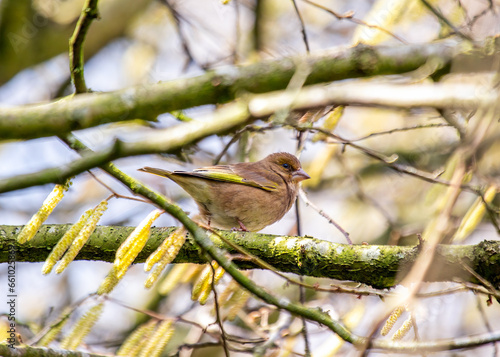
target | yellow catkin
x=228, y=292
x=395, y=314
x=126, y=260
x=82, y=328
x=403, y=330
x=30, y=229
x=202, y=284
x=193, y=273
x=143, y=227
x=176, y=243
x=236, y=303
x=155, y=274
x=65, y=242
x=82, y=237
x=330, y=122
x=171, y=246
x=56, y=329
x=137, y=339
x=158, y=340
x=204, y=294
x=173, y=278
x=474, y=215
x=110, y=281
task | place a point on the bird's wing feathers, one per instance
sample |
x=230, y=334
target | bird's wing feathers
x=225, y=173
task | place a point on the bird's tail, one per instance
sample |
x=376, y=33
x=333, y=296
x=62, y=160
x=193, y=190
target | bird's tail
x=155, y=171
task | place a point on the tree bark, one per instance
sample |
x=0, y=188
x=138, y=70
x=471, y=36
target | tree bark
x=378, y=266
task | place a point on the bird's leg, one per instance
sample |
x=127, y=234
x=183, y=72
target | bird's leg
x=242, y=226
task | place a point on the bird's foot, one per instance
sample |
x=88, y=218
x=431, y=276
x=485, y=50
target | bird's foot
x=241, y=228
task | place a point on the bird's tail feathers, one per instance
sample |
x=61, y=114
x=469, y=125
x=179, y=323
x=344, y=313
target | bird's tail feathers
x=155, y=171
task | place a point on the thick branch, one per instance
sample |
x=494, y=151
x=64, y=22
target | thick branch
x=217, y=86
x=379, y=266
x=25, y=351
x=160, y=141
x=239, y=113
x=393, y=95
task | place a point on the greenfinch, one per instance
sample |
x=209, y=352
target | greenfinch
x=246, y=196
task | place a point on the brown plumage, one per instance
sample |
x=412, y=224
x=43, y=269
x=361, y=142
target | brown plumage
x=246, y=195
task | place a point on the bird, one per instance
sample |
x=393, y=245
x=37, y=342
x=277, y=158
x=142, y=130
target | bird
x=245, y=196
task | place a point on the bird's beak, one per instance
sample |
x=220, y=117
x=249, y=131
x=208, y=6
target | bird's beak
x=300, y=175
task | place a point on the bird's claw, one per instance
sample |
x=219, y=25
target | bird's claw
x=241, y=228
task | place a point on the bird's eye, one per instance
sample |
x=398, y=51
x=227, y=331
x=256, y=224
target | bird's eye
x=286, y=166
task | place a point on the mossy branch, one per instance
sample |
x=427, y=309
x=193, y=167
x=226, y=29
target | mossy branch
x=223, y=85
x=25, y=351
x=378, y=266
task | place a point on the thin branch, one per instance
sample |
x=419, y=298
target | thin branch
x=89, y=13
x=448, y=23
x=397, y=130
x=302, y=292
x=61, y=173
x=330, y=220
x=482, y=280
x=182, y=37
x=59, y=320
x=349, y=16
x=237, y=135
x=114, y=193
x=391, y=162
x=492, y=213
x=484, y=317
x=302, y=26
x=218, y=318
x=257, y=28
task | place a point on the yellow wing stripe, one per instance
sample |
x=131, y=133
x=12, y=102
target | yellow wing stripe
x=225, y=177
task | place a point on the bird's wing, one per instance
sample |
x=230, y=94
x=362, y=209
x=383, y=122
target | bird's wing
x=225, y=173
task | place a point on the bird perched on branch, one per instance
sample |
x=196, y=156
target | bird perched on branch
x=247, y=195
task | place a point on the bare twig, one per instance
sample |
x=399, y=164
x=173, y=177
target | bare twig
x=89, y=13
x=182, y=37
x=482, y=280
x=302, y=295
x=448, y=23
x=484, y=317
x=330, y=220
x=349, y=16
x=397, y=130
x=302, y=26
x=218, y=315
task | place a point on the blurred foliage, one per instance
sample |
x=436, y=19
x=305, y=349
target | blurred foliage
x=136, y=42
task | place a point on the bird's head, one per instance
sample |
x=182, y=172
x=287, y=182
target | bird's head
x=287, y=166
